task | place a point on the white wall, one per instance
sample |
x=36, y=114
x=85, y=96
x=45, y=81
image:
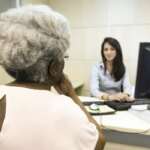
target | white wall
x=92, y=20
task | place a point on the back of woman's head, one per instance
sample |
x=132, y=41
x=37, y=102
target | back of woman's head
x=33, y=40
x=118, y=69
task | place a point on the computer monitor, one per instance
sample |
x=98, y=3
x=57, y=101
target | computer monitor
x=142, y=87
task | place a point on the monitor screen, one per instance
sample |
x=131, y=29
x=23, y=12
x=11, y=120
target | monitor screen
x=142, y=87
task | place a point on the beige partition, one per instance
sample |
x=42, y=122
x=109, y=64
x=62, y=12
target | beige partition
x=4, y=77
x=24, y=2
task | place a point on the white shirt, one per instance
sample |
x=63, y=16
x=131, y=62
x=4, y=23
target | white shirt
x=102, y=82
x=42, y=120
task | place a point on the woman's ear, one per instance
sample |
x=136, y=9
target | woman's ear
x=55, y=71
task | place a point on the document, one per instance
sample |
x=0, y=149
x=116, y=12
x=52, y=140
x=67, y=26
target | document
x=126, y=122
x=100, y=108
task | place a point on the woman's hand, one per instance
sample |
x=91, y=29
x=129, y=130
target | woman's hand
x=120, y=97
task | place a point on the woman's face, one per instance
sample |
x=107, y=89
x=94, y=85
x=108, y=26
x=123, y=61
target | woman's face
x=109, y=52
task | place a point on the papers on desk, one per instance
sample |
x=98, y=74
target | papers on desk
x=102, y=109
x=124, y=121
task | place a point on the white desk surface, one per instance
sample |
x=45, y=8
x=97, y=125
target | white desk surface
x=125, y=121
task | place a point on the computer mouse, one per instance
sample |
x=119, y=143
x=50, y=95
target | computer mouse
x=94, y=106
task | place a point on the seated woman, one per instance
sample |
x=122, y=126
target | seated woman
x=33, y=42
x=109, y=79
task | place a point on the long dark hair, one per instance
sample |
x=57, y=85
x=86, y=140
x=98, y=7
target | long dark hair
x=118, y=68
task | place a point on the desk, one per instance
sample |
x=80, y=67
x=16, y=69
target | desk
x=129, y=126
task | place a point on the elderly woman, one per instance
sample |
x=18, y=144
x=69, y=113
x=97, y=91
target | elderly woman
x=33, y=42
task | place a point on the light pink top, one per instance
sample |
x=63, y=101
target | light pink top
x=42, y=120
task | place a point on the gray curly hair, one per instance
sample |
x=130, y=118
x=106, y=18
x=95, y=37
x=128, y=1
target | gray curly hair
x=30, y=38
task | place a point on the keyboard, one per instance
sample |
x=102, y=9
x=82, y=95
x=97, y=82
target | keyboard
x=124, y=105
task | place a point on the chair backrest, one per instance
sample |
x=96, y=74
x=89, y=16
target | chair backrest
x=2, y=110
